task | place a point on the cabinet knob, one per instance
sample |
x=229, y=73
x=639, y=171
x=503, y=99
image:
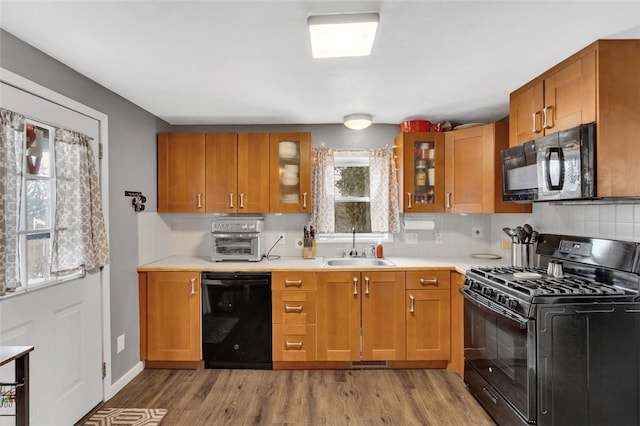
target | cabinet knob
x=199, y=200
x=231, y=200
x=412, y=306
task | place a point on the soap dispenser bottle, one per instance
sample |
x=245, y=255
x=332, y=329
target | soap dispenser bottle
x=379, y=253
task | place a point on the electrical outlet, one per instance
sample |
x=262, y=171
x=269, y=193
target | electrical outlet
x=438, y=237
x=120, y=343
x=476, y=232
x=297, y=243
x=281, y=239
x=411, y=238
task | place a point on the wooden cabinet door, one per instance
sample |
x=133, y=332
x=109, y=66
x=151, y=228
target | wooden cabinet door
x=222, y=172
x=423, y=176
x=338, y=314
x=383, y=321
x=173, y=316
x=290, y=170
x=428, y=325
x=253, y=173
x=181, y=172
x=525, y=113
x=570, y=95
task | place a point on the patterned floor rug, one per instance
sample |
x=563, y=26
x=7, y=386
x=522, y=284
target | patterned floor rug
x=127, y=417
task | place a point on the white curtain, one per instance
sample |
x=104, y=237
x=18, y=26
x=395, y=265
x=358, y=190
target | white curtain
x=323, y=191
x=383, y=190
x=80, y=238
x=11, y=166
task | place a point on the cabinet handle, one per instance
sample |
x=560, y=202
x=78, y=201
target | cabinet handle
x=366, y=285
x=241, y=206
x=293, y=345
x=412, y=306
x=296, y=283
x=288, y=308
x=534, y=118
x=355, y=286
x=547, y=118
x=193, y=285
x=448, y=197
x=409, y=206
x=199, y=200
x=430, y=281
x=231, y=200
x=304, y=200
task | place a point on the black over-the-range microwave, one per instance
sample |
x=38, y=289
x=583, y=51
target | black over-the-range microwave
x=560, y=166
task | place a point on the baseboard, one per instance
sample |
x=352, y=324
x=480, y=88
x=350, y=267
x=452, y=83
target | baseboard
x=124, y=380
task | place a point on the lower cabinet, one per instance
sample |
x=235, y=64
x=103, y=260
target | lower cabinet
x=170, y=319
x=428, y=315
x=360, y=316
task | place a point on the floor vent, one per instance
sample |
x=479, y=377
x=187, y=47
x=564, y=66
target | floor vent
x=369, y=364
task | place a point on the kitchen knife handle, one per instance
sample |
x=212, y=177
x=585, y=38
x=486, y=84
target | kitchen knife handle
x=241, y=206
x=355, y=286
x=412, y=306
x=199, y=200
x=534, y=117
x=289, y=308
x=193, y=285
x=409, y=205
x=304, y=200
x=293, y=345
x=366, y=285
x=231, y=200
x=547, y=120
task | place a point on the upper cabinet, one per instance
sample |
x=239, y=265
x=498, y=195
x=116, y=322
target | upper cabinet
x=237, y=173
x=473, y=174
x=290, y=179
x=421, y=174
x=181, y=172
x=234, y=172
x=600, y=83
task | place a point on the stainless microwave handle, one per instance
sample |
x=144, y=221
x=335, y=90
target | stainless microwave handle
x=547, y=159
x=518, y=319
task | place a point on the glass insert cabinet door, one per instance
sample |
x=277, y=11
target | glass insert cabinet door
x=423, y=166
x=290, y=182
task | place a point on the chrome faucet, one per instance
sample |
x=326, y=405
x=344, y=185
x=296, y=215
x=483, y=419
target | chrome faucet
x=353, y=252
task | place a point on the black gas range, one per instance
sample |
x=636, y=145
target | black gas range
x=557, y=344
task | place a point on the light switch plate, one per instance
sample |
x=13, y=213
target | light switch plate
x=120, y=343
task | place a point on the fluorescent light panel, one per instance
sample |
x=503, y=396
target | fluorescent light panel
x=342, y=35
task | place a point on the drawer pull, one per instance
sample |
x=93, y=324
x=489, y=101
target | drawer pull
x=293, y=345
x=289, y=283
x=288, y=308
x=304, y=200
x=366, y=285
x=547, y=121
x=412, y=307
x=534, y=118
x=431, y=281
x=355, y=286
x=193, y=285
x=199, y=200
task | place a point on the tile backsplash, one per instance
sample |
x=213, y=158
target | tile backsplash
x=162, y=235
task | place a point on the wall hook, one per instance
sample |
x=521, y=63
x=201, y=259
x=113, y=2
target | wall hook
x=138, y=200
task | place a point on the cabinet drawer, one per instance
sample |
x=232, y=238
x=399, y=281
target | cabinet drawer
x=428, y=280
x=293, y=307
x=293, y=342
x=293, y=280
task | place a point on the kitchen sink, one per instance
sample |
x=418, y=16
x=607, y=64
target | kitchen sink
x=356, y=261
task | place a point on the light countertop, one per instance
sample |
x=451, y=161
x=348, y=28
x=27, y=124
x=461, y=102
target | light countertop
x=192, y=263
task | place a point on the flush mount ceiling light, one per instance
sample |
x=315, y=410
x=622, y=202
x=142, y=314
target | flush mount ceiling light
x=357, y=121
x=341, y=35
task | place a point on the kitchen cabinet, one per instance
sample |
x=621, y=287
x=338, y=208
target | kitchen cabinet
x=170, y=317
x=360, y=310
x=600, y=83
x=290, y=172
x=428, y=315
x=473, y=170
x=294, y=316
x=181, y=172
x=237, y=174
x=421, y=171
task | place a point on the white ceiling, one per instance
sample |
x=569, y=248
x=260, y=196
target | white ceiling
x=249, y=62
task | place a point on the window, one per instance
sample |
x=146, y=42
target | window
x=354, y=190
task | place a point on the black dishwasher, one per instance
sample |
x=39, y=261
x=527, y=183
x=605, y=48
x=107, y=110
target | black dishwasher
x=236, y=320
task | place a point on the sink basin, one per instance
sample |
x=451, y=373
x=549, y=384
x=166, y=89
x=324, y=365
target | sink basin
x=356, y=261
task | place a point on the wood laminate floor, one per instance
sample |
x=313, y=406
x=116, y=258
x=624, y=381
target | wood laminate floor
x=304, y=397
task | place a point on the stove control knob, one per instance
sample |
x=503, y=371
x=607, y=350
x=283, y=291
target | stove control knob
x=502, y=299
x=487, y=291
x=513, y=304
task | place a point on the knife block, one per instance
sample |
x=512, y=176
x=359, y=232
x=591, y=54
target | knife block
x=309, y=252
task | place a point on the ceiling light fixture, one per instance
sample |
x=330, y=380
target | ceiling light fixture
x=342, y=35
x=357, y=121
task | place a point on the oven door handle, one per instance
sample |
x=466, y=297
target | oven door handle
x=518, y=319
x=236, y=234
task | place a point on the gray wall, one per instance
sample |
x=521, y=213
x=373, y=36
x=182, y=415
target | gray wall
x=132, y=166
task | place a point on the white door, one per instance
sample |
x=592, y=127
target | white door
x=62, y=321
